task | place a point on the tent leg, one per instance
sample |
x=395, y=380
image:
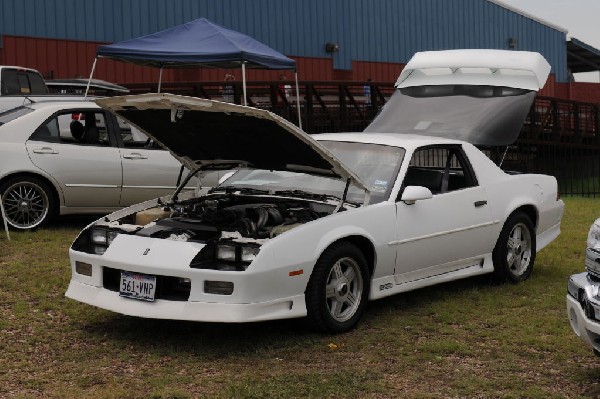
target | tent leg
x=87, y=88
x=159, y=79
x=4, y=218
x=244, y=82
x=298, y=101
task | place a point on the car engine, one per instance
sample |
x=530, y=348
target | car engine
x=211, y=218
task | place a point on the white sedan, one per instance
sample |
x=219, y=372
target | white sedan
x=317, y=226
x=74, y=157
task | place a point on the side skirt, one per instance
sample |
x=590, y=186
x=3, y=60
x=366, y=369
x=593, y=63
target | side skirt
x=389, y=285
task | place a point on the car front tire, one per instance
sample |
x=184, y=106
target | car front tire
x=27, y=201
x=338, y=289
x=514, y=254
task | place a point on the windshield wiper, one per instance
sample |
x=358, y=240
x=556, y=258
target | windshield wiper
x=322, y=197
x=243, y=190
x=304, y=194
x=315, y=196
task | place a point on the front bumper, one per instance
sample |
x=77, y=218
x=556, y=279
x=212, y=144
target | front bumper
x=583, y=308
x=265, y=291
x=192, y=311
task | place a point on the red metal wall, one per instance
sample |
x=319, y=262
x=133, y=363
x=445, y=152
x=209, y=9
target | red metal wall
x=58, y=58
x=376, y=71
x=585, y=92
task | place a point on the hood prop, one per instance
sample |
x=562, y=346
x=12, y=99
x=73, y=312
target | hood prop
x=184, y=183
x=343, y=199
x=339, y=206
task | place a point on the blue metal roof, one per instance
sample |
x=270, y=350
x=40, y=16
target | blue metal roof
x=366, y=30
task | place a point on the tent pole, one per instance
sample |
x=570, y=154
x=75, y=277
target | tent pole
x=4, y=218
x=298, y=100
x=160, y=79
x=87, y=88
x=244, y=81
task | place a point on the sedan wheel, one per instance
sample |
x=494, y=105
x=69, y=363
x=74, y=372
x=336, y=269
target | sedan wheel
x=27, y=203
x=514, y=253
x=338, y=289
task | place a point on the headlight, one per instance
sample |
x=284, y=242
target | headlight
x=593, y=240
x=99, y=236
x=237, y=253
x=226, y=252
x=103, y=238
x=225, y=257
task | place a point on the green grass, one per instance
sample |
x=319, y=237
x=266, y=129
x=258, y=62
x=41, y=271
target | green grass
x=463, y=339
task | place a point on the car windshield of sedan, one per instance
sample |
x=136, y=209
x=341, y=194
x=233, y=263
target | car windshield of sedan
x=377, y=165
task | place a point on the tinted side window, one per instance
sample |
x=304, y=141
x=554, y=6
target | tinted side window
x=36, y=83
x=23, y=83
x=85, y=128
x=440, y=169
x=10, y=83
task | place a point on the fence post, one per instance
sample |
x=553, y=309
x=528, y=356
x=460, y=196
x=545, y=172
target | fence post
x=309, y=110
x=555, y=121
x=596, y=124
x=576, y=127
x=273, y=97
x=343, y=109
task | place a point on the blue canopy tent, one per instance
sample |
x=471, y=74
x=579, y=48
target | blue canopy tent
x=198, y=43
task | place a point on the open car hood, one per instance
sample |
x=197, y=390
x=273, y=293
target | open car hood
x=219, y=136
x=478, y=96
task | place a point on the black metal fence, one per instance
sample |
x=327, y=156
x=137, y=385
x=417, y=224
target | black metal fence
x=560, y=138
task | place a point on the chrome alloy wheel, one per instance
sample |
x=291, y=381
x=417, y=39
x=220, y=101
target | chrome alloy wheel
x=344, y=289
x=518, y=249
x=26, y=205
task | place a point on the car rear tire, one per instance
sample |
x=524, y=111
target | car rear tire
x=28, y=202
x=514, y=254
x=338, y=289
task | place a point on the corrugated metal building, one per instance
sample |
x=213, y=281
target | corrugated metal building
x=375, y=37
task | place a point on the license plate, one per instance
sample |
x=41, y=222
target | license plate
x=137, y=286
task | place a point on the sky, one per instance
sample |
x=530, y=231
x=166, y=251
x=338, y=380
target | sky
x=581, y=18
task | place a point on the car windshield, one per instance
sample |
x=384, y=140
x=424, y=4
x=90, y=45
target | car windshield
x=13, y=114
x=377, y=165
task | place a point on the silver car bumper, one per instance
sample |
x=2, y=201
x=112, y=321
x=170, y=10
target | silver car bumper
x=583, y=308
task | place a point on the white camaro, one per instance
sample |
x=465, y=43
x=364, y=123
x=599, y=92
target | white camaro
x=317, y=226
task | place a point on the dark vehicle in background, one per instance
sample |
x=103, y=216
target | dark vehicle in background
x=21, y=86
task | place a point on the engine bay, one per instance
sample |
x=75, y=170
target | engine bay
x=222, y=216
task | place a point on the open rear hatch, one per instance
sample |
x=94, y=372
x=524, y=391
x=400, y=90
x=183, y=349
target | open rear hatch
x=478, y=96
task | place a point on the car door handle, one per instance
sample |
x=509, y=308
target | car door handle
x=480, y=203
x=135, y=155
x=45, y=150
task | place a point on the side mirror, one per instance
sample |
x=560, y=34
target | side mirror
x=413, y=194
